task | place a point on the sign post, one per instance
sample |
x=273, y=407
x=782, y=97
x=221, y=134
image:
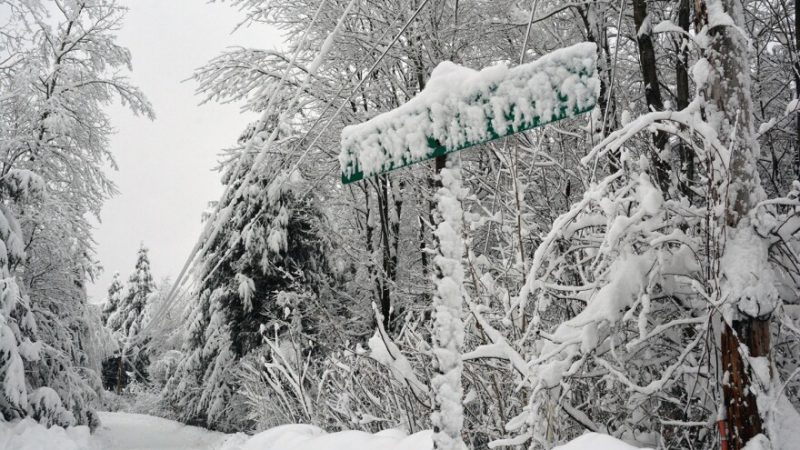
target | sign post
x=460, y=108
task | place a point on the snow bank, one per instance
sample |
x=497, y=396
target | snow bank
x=309, y=437
x=596, y=441
x=27, y=434
x=460, y=107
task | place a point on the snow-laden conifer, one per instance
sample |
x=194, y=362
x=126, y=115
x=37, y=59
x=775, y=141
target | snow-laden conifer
x=115, y=291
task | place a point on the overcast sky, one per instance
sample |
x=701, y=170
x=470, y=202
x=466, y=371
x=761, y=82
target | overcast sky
x=165, y=175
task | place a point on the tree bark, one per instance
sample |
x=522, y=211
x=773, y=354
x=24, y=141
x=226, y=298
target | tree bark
x=729, y=107
x=388, y=267
x=797, y=85
x=685, y=153
x=652, y=90
x=119, y=375
x=744, y=420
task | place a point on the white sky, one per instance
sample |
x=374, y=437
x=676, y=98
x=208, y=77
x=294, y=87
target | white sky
x=165, y=175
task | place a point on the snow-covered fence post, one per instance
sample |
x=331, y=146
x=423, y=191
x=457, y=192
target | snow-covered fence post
x=448, y=414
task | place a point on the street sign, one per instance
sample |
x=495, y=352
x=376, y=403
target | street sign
x=461, y=107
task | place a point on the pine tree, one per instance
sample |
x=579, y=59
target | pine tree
x=18, y=341
x=140, y=286
x=270, y=245
x=71, y=353
x=114, y=297
x=126, y=323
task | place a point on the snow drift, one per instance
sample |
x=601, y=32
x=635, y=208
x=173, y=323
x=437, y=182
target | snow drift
x=309, y=437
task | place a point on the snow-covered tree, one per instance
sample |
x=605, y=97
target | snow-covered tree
x=60, y=67
x=268, y=258
x=18, y=341
x=55, y=272
x=128, y=318
x=115, y=291
x=127, y=323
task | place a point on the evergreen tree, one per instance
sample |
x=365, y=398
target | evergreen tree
x=140, y=286
x=18, y=329
x=114, y=297
x=127, y=322
x=68, y=367
x=270, y=246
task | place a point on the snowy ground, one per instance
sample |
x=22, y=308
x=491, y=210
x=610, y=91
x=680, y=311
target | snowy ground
x=124, y=431
x=119, y=431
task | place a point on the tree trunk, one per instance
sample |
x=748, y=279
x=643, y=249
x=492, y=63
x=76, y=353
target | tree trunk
x=797, y=85
x=682, y=80
x=744, y=420
x=729, y=107
x=652, y=90
x=595, y=24
x=388, y=269
x=119, y=375
x=397, y=196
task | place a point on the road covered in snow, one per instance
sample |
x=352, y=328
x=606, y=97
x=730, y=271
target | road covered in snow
x=125, y=431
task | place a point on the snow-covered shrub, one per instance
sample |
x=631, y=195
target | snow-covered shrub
x=340, y=391
x=614, y=284
x=46, y=408
x=164, y=367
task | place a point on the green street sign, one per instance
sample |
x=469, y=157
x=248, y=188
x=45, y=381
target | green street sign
x=461, y=107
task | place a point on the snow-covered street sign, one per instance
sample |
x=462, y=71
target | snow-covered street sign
x=461, y=107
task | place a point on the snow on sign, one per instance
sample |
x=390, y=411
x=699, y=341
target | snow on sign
x=462, y=107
